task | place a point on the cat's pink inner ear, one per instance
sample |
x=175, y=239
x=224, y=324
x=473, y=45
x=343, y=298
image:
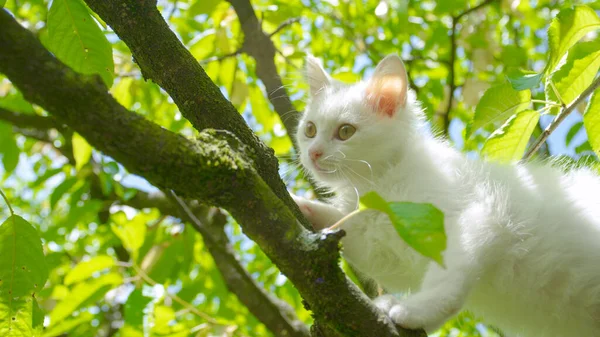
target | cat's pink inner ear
x=386, y=94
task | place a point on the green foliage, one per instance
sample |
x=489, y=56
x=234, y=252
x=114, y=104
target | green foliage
x=569, y=26
x=576, y=73
x=76, y=39
x=507, y=144
x=93, y=240
x=82, y=151
x=591, y=120
x=23, y=273
x=9, y=150
x=498, y=104
x=421, y=226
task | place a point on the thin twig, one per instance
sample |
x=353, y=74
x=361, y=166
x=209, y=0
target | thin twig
x=7, y=203
x=451, y=63
x=221, y=58
x=472, y=9
x=565, y=111
x=284, y=24
x=451, y=74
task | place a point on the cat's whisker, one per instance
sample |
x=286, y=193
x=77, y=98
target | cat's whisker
x=362, y=177
x=353, y=186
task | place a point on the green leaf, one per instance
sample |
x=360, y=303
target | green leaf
x=591, y=121
x=66, y=325
x=23, y=272
x=16, y=317
x=37, y=319
x=23, y=268
x=575, y=128
x=134, y=309
x=497, y=104
x=575, y=74
x=421, y=226
x=507, y=144
x=8, y=148
x=524, y=79
x=568, y=27
x=82, y=151
x=131, y=232
x=203, y=7
x=2, y=3
x=85, y=270
x=82, y=294
x=16, y=102
x=61, y=189
x=261, y=109
x=76, y=39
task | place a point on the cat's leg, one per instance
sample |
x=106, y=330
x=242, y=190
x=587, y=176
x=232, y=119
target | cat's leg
x=320, y=214
x=442, y=295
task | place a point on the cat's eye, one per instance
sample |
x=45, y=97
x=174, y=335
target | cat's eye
x=310, y=130
x=346, y=131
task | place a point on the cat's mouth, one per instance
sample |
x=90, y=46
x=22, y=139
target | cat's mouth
x=323, y=168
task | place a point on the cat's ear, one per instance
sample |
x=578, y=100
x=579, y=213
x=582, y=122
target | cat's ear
x=317, y=76
x=388, y=88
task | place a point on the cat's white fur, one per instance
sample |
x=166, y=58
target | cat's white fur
x=523, y=248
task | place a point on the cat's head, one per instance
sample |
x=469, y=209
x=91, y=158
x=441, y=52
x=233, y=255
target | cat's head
x=349, y=132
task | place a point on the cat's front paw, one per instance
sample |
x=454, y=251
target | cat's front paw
x=409, y=315
x=304, y=205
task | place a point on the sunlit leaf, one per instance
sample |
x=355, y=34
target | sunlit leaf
x=16, y=317
x=131, y=232
x=497, y=105
x=570, y=25
x=8, y=148
x=522, y=79
x=86, y=269
x=239, y=93
x=23, y=269
x=421, y=226
x=82, y=151
x=261, y=109
x=591, y=121
x=66, y=325
x=203, y=7
x=575, y=74
x=23, y=273
x=84, y=293
x=76, y=39
x=507, y=144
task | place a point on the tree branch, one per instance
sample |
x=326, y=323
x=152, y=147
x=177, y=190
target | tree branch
x=26, y=121
x=451, y=63
x=451, y=80
x=259, y=46
x=277, y=315
x=564, y=112
x=165, y=60
x=222, y=173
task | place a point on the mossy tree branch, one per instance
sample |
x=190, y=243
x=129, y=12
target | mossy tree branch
x=165, y=60
x=277, y=315
x=217, y=169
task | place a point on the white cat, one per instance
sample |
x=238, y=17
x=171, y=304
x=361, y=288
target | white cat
x=523, y=248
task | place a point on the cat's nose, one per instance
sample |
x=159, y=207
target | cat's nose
x=315, y=154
